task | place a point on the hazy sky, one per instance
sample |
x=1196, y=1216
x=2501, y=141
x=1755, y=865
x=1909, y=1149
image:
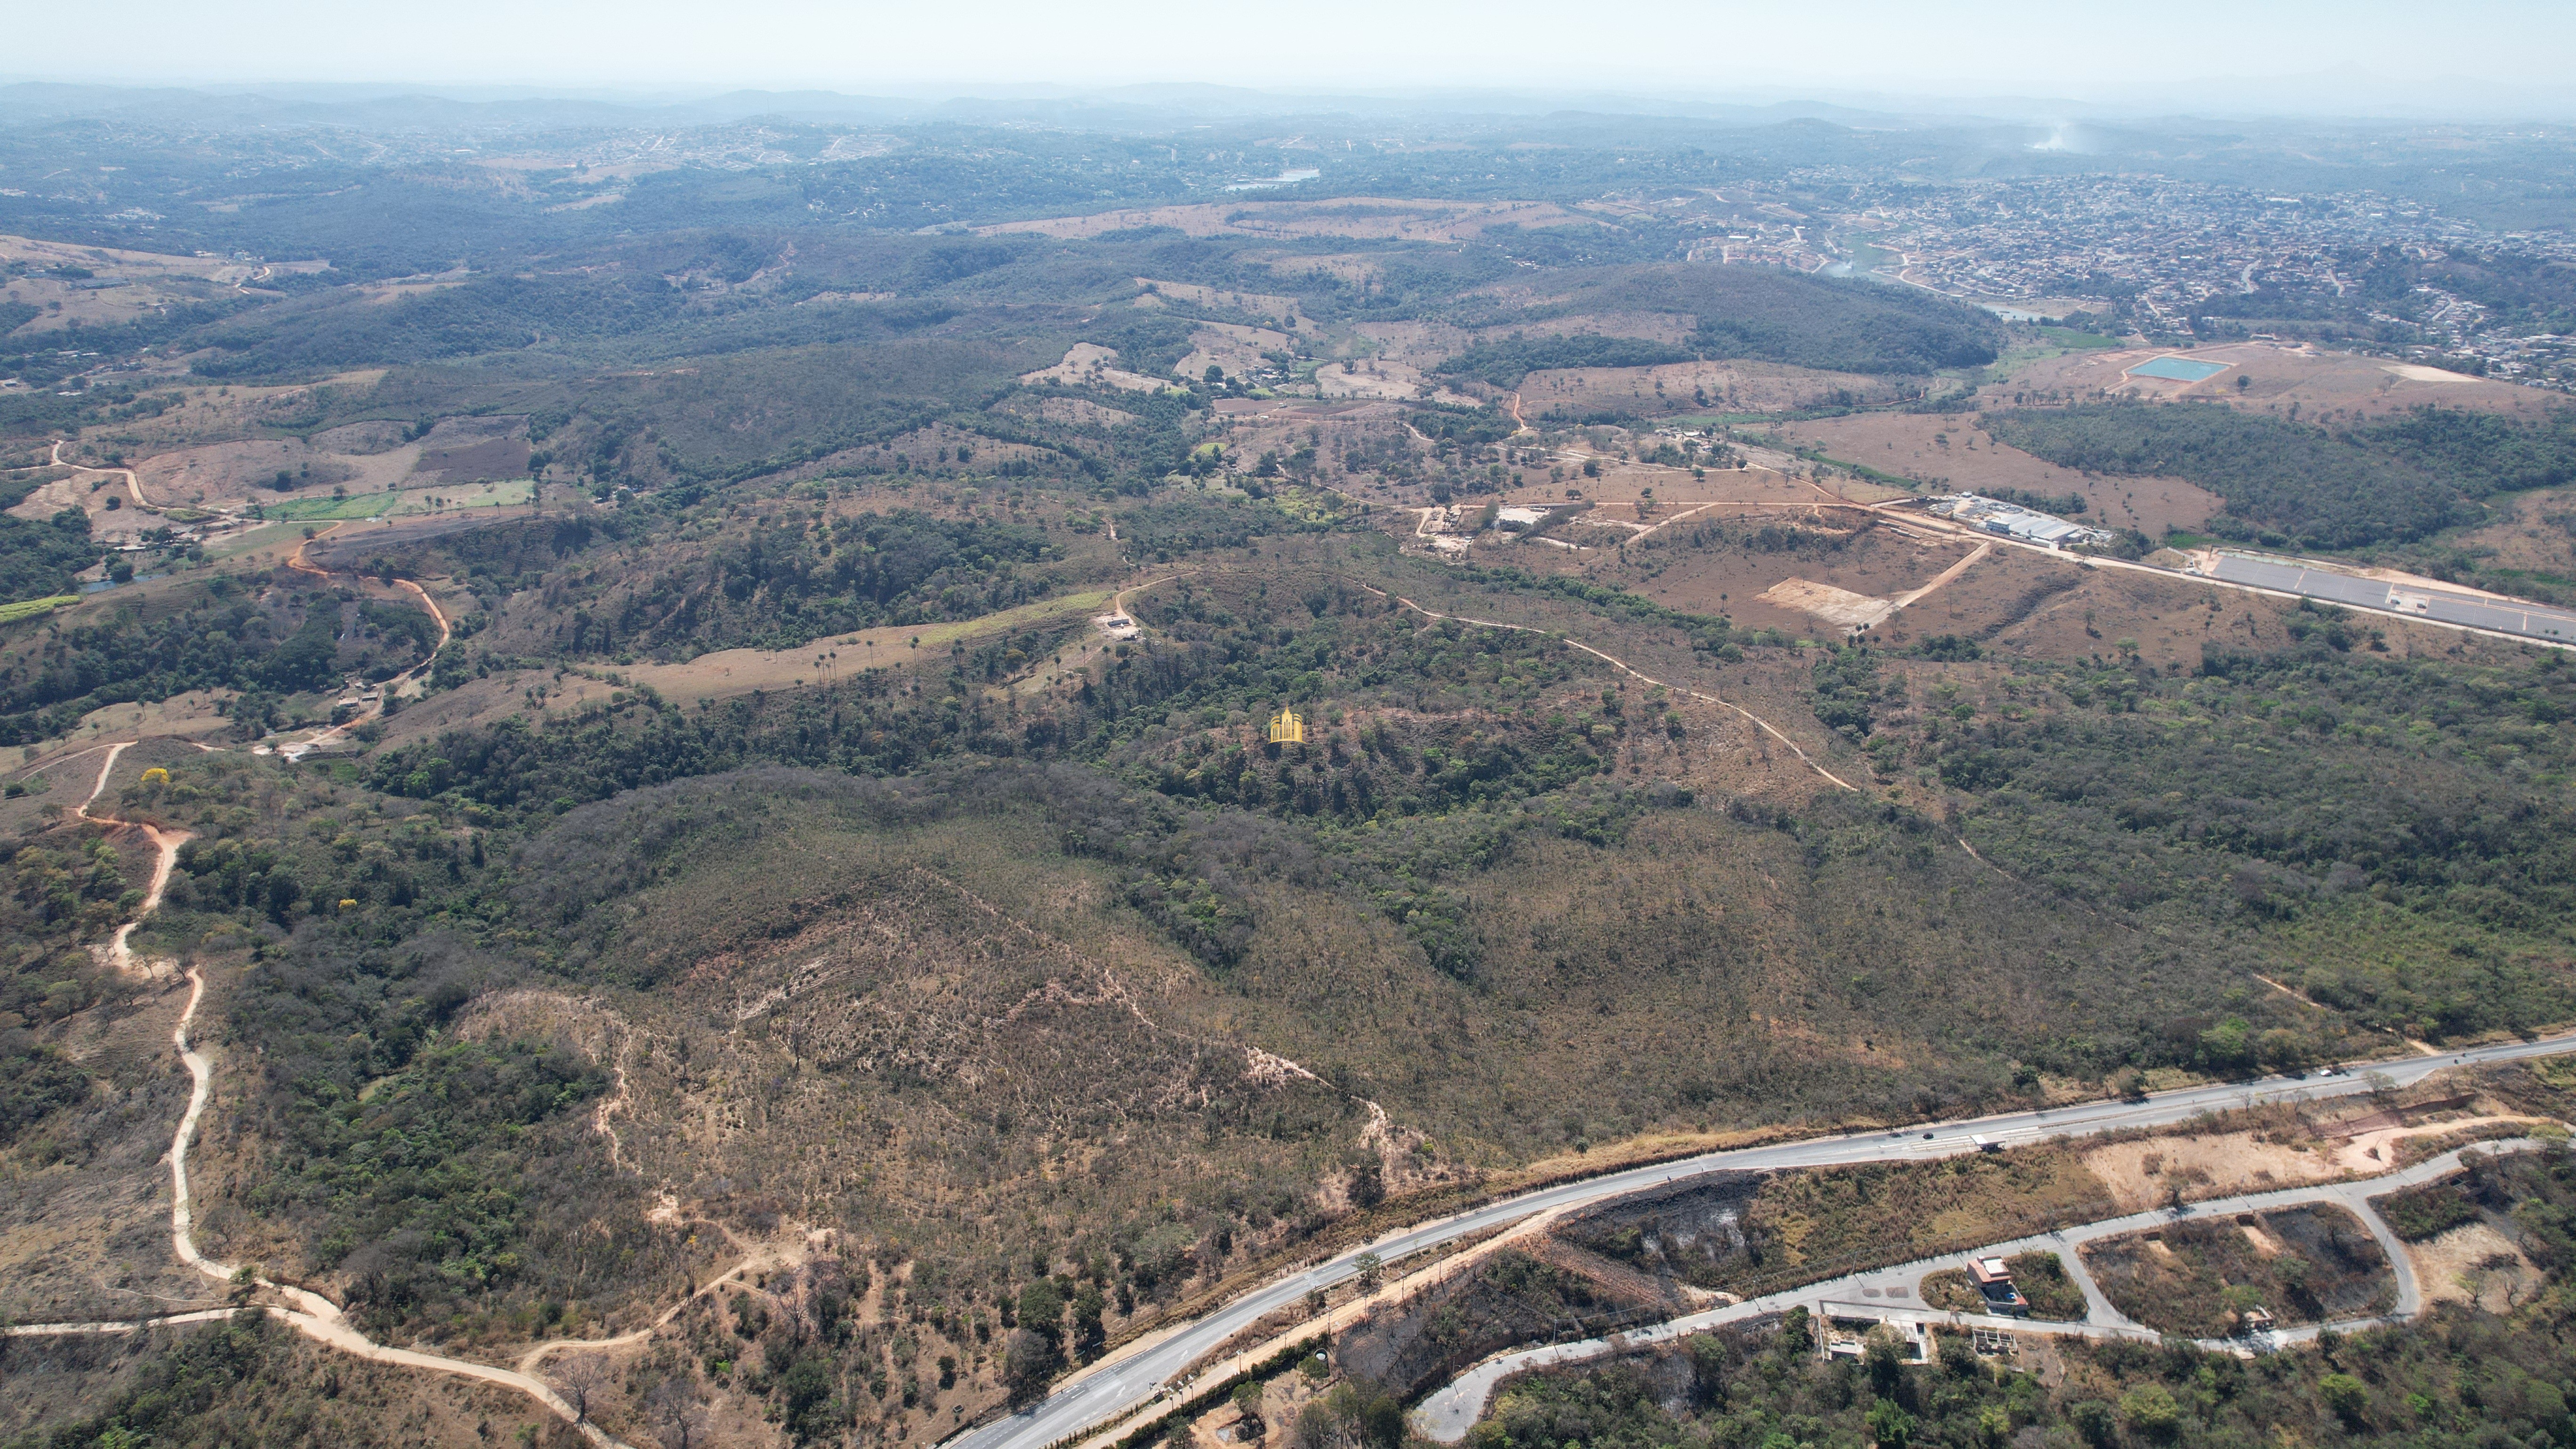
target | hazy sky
x=2382, y=54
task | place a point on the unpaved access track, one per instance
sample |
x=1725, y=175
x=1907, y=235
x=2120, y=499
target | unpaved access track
x=338, y=732
x=309, y=1313
x=133, y=488
x=1624, y=667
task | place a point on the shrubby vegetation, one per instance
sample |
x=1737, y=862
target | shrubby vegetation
x=39, y=558
x=787, y=580
x=2329, y=789
x=278, y=642
x=2201, y=1279
x=432, y=1189
x=65, y=886
x=1744, y=312
x=1504, y=363
x=1825, y=323
x=448, y=1182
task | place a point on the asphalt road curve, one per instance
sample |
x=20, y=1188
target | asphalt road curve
x=2504, y=616
x=1110, y=1388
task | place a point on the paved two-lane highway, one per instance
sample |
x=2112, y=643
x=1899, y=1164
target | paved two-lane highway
x=1109, y=1389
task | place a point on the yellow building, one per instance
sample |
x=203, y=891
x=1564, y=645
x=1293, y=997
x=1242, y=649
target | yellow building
x=1287, y=729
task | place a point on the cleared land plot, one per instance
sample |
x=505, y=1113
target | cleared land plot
x=1735, y=561
x=728, y=672
x=236, y=411
x=232, y=474
x=1680, y=500
x=1424, y=344
x=1089, y=364
x=1951, y=454
x=1282, y=310
x=2277, y=375
x=408, y=501
x=1237, y=349
x=1826, y=602
x=2019, y=602
x=1368, y=378
x=2302, y=1264
x=2476, y=1263
x=120, y=286
x=473, y=450
x=2148, y=1172
x=2022, y=602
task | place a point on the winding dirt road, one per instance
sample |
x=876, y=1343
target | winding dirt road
x=298, y=562
x=309, y=1313
x=120, y=950
x=132, y=487
x=338, y=732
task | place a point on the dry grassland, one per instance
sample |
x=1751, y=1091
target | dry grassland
x=1701, y=561
x=1420, y=344
x=1071, y=411
x=200, y=415
x=386, y=293
x=1089, y=363
x=2167, y=618
x=1235, y=348
x=2147, y=1173
x=2476, y=1264
x=2280, y=375
x=730, y=672
x=2530, y=535
x=1277, y=308
x=89, y=493
x=1371, y=378
x=937, y=444
x=1674, y=328
x=1350, y=269
x=150, y=282
x=195, y=715
x=740, y=671
x=1951, y=454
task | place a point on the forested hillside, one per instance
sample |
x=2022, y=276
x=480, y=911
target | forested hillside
x=793, y=775
x=2289, y=483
